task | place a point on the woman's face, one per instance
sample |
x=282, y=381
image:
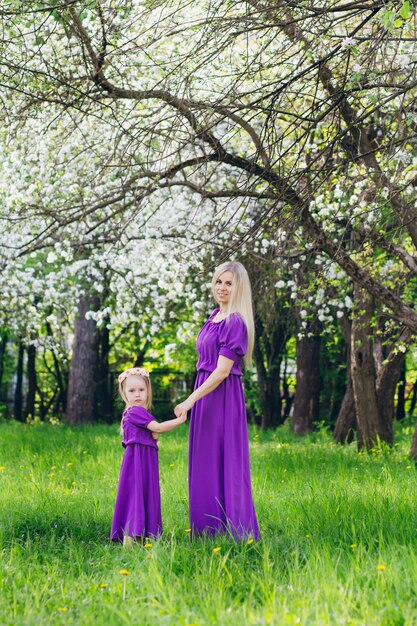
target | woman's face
x=136, y=390
x=223, y=287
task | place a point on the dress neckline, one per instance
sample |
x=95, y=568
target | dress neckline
x=214, y=315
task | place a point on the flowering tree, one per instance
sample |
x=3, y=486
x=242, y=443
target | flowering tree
x=284, y=112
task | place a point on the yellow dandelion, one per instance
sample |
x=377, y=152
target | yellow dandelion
x=216, y=550
x=172, y=464
x=53, y=467
x=103, y=586
x=63, y=609
x=51, y=474
x=408, y=467
x=353, y=546
x=124, y=572
x=380, y=568
x=187, y=530
x=147, y=545
x=2, y=468
x=69, y=464
x=249, y=541
x=307, y=536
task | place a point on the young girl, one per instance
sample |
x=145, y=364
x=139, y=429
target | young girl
x=137, y=512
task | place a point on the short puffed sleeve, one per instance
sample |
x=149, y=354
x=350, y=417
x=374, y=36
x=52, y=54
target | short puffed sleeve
x=138, y=416
x=233, y=338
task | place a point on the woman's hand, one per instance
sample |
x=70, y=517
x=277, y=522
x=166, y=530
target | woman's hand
x=182, y=409
x=155, y=435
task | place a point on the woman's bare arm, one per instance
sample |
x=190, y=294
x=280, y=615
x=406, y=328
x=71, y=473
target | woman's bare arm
x=222, y=371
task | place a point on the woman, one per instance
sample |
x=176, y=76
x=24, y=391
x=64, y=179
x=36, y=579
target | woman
x=219, y=475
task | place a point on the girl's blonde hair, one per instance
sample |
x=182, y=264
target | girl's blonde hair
x=122, y=384
x=240, y=301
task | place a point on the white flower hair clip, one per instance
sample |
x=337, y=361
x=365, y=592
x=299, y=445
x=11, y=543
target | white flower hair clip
x=139, y=371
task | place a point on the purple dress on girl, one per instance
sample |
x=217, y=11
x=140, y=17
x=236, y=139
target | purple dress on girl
x=220, y=489
x=137, y=512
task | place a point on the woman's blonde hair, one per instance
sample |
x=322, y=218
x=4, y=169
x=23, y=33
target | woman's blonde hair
x=240, y=301
x=122, y=394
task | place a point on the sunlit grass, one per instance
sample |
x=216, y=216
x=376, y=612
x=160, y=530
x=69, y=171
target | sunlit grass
x=339, y=536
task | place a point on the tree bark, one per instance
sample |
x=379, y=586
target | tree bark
x=400, y=410
x=18, y=392
x=3, y=350
x=307, y=390
x=32, y=383
x=82, y=375
x=288, y=397
x=268, y=349
x=61, y=397
x=369, y=421
x=104, y=391
x=387, y=381
x=413, y=449
x=346, y=420
x=413, y=400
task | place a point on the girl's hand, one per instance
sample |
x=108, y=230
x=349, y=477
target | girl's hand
x=182, y=418
x=155, y=435
x=182, y=409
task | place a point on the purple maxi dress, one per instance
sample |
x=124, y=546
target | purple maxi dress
x=137, y=512
x=219, y=480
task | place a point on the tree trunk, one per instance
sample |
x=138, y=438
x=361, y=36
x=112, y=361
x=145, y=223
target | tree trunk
x=3, y=350
x=18, y=392
x=386, y=387
x=104, y=390
x=288, y=397
x=61, y=397
x=271, y=402
x=82, y=375
x=387, y=382
x=32, y=383
x=307, y=390
x=141, y=353
x=269, y=344
x=267, y=418
x=413, y=400
x=413, y=449
x=346, y=420
x=364, y=373
x=402, y=383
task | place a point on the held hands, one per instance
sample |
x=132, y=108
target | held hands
x=182, y=409
x=182, y=418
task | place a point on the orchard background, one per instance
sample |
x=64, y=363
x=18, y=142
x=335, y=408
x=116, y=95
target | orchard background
x=142, y=143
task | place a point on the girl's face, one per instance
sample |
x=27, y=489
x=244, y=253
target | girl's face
x=223, y=287
x=136, y=390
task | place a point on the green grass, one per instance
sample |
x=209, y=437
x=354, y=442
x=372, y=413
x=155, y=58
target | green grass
x=328, y=516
